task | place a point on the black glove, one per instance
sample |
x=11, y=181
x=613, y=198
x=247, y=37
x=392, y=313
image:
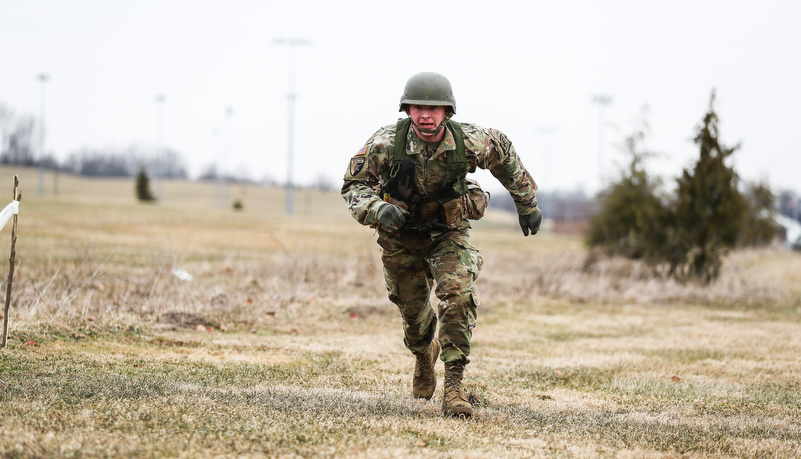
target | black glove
x=392, y=216
x=531, y=222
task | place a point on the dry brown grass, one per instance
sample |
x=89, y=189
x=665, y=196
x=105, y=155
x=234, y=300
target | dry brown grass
x=570, y=359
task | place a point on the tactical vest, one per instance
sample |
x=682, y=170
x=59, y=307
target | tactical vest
x=455, y=184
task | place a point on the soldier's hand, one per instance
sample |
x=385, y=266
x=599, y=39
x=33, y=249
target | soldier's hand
x=531, y=223
x=392, y=216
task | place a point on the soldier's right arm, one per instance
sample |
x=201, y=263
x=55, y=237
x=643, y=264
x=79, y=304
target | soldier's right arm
x=361, y=189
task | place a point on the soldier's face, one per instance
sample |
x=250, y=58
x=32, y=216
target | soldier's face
x=427, y=117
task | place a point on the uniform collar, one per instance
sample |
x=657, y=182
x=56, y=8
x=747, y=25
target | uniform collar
x=417, y=145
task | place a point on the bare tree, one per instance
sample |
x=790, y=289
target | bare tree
x=17, y=138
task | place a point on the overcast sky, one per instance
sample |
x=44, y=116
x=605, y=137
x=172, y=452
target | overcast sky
x=530, y=69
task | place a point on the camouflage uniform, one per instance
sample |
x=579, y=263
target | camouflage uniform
x=414, y=263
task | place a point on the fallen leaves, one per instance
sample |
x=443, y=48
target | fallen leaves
x=210, y=329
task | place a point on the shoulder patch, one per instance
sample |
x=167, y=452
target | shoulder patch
x=356, y=164
x=501, y=140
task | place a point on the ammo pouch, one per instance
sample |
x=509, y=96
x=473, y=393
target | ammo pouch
x=452, y=213
x=475, y=201
x=469, y=206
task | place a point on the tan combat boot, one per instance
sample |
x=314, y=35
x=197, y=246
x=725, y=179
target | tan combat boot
x=425, y=380
x=454, y=397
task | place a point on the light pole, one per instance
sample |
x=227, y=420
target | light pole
x=160, y=99
x=291, y=96
x=602, y=101
x=42, y=79
x=219, y=199
x=225, y=200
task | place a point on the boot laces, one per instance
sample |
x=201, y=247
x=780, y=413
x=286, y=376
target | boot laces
x=424, y=362
x=453, y=379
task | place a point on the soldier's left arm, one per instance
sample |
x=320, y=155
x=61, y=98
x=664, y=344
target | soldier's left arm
x=495, y=152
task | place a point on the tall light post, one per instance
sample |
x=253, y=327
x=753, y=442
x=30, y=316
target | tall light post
x=225, y=199
x=291, y=96
x=160, y=99
x=219, y=201
x=42, y=79
x=602, y=101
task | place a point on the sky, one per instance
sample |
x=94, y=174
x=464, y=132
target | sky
x=533, y=70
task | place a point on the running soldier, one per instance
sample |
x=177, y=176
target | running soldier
x=409, y=182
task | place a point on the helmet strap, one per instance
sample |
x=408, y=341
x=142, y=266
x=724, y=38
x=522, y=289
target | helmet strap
x=437, y=130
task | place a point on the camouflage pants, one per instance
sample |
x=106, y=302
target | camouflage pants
x=412, y=268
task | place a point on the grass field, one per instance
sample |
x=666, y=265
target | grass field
x=284, y=345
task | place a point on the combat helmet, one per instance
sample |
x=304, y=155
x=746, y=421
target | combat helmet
x=428, y=88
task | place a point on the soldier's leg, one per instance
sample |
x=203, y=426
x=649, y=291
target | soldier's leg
x=409, y=286
x=455, y=264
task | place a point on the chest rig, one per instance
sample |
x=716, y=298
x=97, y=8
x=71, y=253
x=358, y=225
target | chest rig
x=400, y=185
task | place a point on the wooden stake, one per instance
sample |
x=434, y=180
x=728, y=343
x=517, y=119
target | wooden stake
x=17, y=197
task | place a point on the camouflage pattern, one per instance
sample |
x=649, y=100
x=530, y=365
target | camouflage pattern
x=445, y=261
x=448, y=264
x=485, y=148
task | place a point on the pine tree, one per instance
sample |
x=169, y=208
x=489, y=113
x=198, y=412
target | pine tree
x=709, y=210
x=690, y=234
x=759, y=227
x=628, y=223
x=143, y=192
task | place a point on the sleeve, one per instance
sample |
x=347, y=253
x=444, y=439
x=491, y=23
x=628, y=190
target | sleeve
x=501, y=159
x=361, y=187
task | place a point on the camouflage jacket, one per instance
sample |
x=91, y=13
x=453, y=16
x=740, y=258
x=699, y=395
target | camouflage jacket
x=485, y=148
